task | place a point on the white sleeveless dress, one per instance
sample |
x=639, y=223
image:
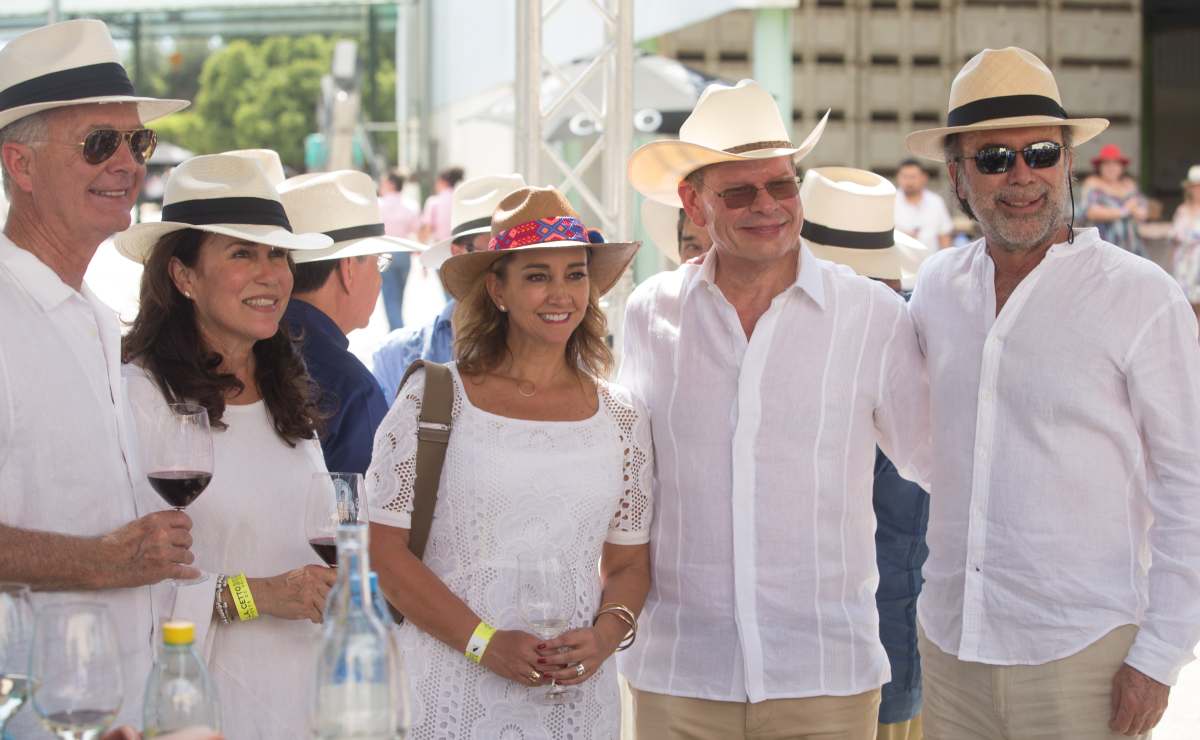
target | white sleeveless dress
x=511, y=486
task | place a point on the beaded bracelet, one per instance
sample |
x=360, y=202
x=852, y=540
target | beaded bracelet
x=222, y=610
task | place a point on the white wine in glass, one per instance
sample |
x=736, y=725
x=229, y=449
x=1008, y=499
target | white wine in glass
x=76, y=668
x=546, y=600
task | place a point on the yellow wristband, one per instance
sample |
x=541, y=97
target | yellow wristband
x=478, y=643
x=240, y=590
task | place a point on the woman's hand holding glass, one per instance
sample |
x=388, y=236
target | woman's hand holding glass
x=513, y=654
x=588, y=647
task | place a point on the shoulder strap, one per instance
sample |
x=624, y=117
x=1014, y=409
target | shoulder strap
x=433, y=435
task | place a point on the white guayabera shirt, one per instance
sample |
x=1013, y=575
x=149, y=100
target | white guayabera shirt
x=1068, y=472
x=763, y=534
x=65, y=440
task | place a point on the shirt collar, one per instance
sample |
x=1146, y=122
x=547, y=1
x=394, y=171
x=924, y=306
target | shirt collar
x=810, y=278
x=315, y=320
x=35, y=276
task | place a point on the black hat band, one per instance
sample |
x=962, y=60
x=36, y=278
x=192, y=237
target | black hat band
x=475, y=223
x=251, y=211
x=1005, y=106
x=831, y=237
x=355, y=232
x=92, y=81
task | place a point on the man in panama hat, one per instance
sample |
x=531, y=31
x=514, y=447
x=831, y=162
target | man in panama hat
x=1064, y=532
x=73, y=147
x=770, y=375
x=673, y=232
x=335, y=292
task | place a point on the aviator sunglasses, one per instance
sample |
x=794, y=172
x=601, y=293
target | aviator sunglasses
x=743, y=195
x=99, y=145
x=996, y=160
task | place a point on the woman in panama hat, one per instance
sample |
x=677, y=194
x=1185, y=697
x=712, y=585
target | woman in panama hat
x=544, y=457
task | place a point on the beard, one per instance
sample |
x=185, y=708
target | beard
x=1021, y=233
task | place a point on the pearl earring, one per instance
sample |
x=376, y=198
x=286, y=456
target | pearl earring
x=502, y=308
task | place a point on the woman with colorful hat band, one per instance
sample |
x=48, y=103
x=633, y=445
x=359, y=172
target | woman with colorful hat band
x=1111, y=200
x=217, y=277
x=544, y=457
x=1185, y=234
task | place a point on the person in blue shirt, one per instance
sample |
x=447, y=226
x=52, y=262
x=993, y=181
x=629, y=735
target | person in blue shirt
x=335, y=292
x=470, y=231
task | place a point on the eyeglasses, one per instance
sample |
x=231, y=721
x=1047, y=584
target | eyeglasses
x=99, y=145
x=384, y=261
x=996, y=160
x=743, y=195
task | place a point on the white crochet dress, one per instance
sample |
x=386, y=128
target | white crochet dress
x=511, y=486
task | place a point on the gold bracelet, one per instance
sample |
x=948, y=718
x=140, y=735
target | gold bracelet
x=242, y=598
x=626, y=615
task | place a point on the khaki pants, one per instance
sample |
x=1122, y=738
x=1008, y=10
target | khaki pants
x=910, y=730
x=1066, y=699
x=662, y=717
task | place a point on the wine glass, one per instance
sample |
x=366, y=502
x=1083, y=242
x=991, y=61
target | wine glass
x=76, y=668
x=333, y=499
x=16, y=636
x=178, y=457
x=546, y=599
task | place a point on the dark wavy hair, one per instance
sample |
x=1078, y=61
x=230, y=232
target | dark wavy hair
x=165, y=340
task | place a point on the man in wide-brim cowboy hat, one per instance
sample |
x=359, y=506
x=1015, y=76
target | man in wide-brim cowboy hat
x=770, y=375
x=73, y=149
x=1064, y=529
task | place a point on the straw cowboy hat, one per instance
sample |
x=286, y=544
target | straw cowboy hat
x=1002, y=88
x=850, y=218
x=662, y=224
x=537, y=218
x=267, y=159
x=226, y=194
x=729, y=124
x=343, y=206
x=471, y=211
x=64, y=64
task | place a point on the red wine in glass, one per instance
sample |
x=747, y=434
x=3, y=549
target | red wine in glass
x=326, y=549
x=179, y=487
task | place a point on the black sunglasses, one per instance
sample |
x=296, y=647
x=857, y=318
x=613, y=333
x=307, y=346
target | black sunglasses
x=996, y=160
x=743, y=195
x=99, y=145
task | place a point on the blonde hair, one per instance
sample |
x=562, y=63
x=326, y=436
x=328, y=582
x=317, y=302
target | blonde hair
x=481, y=332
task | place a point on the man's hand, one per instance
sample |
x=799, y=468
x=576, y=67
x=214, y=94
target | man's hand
x=1138, y=702
x=148, y=550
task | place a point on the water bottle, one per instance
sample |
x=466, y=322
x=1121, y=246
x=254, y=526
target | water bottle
x=380, y=604
x=357, y=685
x=179, y=692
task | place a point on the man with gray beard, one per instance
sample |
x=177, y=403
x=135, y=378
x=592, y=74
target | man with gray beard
x=1062, y=591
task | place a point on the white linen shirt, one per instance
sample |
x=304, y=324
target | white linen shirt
x=1068, y=472
x=65, y=440
x=762, y=542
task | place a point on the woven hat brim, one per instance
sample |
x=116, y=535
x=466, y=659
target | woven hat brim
x=892, y=263
x=443, y=247
x=136, y=242
x=655, y=169
x=927, y=143
x=149, y=109
x=608, y=262
x=359, y=248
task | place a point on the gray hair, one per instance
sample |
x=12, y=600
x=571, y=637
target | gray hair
x=26, y=130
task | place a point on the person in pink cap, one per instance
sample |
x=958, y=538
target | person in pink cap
x=1111, y=200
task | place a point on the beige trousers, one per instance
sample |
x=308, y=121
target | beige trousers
x=1066, y=699
x=662, y=717
x=910, y=730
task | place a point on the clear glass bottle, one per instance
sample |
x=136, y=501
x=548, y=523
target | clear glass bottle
x=357, y=686
x=179, y=692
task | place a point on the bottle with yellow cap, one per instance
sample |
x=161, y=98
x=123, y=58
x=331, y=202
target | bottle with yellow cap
x=179, y=692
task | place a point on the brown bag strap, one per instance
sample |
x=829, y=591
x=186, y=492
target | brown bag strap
x=433, y=435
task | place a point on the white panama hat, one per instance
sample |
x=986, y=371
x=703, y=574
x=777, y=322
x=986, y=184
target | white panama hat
x=662, y=224
x=998, y=89
x=343, y=206
x=226, y=194
x=729, y=124
x=69, y=63
x=471, y=211
x=850, y=218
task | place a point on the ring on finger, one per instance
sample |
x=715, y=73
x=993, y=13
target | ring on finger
x=579, y=669
x=534, y=677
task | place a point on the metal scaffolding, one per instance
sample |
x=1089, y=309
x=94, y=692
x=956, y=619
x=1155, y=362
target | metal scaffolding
x=613, y=111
